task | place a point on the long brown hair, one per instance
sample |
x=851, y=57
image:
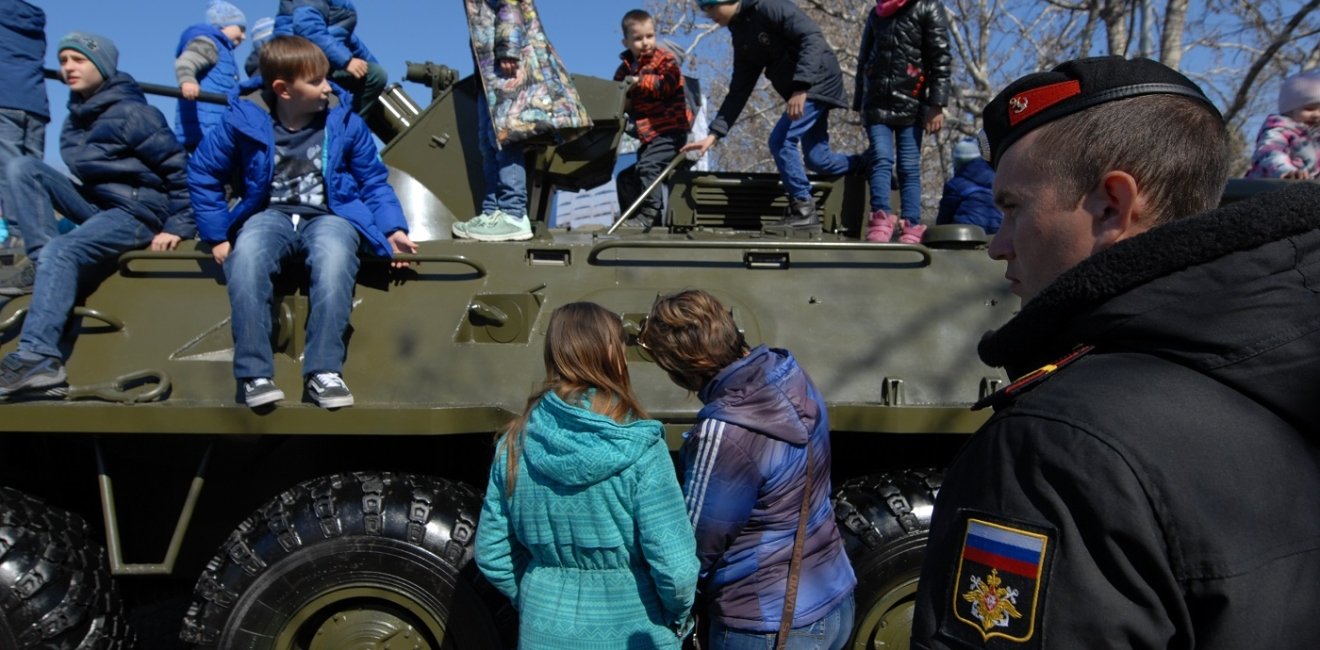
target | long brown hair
x=584, y=350
x=692, y=336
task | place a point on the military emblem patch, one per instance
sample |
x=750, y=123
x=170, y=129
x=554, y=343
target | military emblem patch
x=999, y=581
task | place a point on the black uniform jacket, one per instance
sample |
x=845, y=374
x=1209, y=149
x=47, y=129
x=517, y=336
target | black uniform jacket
x=1162, y=491
x=777, y=37
x=904, y=64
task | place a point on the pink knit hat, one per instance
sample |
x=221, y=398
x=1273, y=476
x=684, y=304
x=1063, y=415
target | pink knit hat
x=1298, y=91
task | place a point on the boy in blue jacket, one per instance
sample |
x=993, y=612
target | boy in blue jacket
x=205, y=62
x=310, y=183
x=133, y=193
x=331, y=24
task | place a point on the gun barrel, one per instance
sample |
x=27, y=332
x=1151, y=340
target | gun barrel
x=157, y=89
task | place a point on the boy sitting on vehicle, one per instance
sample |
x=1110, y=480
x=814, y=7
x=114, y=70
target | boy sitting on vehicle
x=133, y=194
x=312, y=184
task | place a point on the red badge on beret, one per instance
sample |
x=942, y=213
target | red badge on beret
x=1025, y=104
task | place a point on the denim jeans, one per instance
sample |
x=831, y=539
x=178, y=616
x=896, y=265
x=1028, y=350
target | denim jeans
x=504, y=170
x=807, y=137
x=907, y=140
x=330, y=245
x=38, y=191
x=364, y=90
x=829, y=633
x=21, y=134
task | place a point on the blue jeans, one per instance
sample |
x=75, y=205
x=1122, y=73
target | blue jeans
x=907, y=140
x=330, y=244
x=504, y=170
x=807, y=137
x=64, y=262
x=21, y=134
x=829, y=633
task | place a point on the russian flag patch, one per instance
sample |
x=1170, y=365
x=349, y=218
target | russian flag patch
x=1000, y=580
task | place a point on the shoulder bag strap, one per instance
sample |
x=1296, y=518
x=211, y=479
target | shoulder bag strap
x=795, y=563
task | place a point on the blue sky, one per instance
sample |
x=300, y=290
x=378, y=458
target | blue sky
x=586, y=33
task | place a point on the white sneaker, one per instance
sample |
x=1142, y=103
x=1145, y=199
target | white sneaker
x=503, y=227
x=460, y=228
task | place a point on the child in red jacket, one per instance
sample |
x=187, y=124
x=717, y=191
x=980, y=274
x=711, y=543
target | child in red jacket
x=657, y=106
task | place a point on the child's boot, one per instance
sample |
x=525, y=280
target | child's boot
x=802, y=219
x=912, y=233
x=881, y=227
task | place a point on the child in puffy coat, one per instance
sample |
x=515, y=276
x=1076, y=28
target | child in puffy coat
x=967, y=196
x=1286, y=146
x=205, y=62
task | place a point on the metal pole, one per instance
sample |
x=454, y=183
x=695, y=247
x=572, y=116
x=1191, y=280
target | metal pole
x=669, y=169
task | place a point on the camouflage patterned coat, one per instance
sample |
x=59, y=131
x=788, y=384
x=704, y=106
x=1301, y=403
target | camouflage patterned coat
x=540, y=99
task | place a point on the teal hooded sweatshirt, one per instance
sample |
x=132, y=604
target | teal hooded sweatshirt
x=594, y=548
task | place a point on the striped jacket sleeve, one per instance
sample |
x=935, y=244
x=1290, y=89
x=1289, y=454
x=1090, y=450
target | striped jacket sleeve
x=720, y=486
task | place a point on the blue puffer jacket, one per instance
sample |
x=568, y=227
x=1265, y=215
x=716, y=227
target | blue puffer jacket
x=22, y=53
x=193, y=119
x=329, y=24
x=125, y=154
x=745, y=464
x=968, y=198
x=593, y=547
x=243, y=145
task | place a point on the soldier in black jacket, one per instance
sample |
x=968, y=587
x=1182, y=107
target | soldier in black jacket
x=776, y=37
x=1156, y=482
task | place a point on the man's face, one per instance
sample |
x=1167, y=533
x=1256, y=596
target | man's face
x=641, y=38
x=721, y=14
x=1042, y=235
x=307, y=96
x=79, y=72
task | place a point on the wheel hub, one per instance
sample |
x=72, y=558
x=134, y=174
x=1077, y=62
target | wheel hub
x=367, y=629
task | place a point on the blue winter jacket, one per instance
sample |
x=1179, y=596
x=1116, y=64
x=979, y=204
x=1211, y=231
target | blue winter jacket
x=969, y=199
x=329, y=24
x=22, y=53
x=593, y=547
x=193, y=119
x=243, y=146
x=125, y=155
x=745, y=469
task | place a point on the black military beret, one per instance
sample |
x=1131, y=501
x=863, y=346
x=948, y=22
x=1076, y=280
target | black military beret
x=1042, y=97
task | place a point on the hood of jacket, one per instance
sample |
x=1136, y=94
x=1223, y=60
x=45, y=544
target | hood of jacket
x=765, y=391
x=978, y=171
x=1233, y=293
x=571, y=445
x=119, y=88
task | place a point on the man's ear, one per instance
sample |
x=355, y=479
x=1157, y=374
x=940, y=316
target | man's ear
x=1118, y=209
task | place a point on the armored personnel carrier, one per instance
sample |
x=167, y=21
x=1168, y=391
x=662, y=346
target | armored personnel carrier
x=144, y=498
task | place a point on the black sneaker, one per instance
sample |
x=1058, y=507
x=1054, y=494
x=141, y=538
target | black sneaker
x=20, y=374
x=802, y=218
x=17, y=280
x=329, y=391
x=260, y=392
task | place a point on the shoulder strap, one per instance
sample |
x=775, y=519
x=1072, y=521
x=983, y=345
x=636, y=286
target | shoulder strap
x=795, y=563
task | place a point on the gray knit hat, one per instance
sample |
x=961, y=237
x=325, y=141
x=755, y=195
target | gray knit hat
x=100, y=50
x=223, y=14
x=1299, y=91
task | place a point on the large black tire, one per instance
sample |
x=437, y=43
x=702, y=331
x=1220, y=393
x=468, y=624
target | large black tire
x=55, y=586
x=884, y=520
x=352, y=560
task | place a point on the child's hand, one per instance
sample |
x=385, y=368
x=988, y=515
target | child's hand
x=700, y=146
x=165, y=242
x=220, y=252
x=401, y=244
x=190, y=90
x=934, y=119
x=797, y=104
x=357, y=67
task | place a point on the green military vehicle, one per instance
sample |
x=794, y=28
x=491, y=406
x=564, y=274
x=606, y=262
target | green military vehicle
x=300, y=528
